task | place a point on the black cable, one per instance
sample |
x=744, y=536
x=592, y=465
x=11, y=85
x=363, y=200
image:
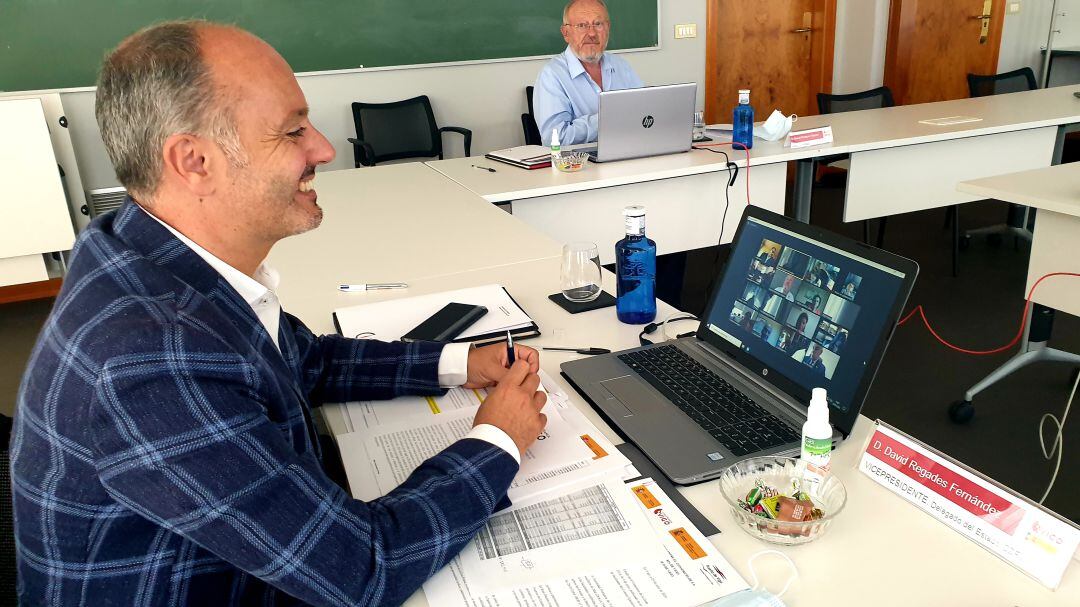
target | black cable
x=727, y=195
x=729, y=165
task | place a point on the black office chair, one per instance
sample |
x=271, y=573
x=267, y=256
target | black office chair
x=1015, y=81
x=865, y=100
x=528, y=121
x=7, y=519
x=401, y=129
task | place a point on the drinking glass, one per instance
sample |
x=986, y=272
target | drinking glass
x=580, y=272
x=699, y=125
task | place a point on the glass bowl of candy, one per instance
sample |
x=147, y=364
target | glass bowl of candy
x=782, y=500
x=571, y=162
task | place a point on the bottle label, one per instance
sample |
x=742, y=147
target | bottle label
x=817, y=451
x=635, y=225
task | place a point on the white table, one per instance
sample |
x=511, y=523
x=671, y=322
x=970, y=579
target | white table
x=899, y=164
x=881, y=551
x=1055, y=192
x=683, y=195
x=394, y=223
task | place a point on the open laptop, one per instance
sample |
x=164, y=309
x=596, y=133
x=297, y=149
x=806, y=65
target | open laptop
x=648, y=121
x=795, y=307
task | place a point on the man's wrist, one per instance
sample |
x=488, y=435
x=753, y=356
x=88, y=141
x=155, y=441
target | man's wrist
x=494, y=435
x=454, y=365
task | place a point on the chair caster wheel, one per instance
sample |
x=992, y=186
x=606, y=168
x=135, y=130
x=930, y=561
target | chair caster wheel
x=965, y=242
x=961, y=411
x=993, y=240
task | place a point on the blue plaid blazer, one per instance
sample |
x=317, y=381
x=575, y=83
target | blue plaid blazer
x=163, y=451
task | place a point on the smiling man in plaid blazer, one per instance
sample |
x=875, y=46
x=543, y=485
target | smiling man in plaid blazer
x=163, y=451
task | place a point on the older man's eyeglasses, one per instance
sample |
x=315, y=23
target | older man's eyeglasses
x=584, y=27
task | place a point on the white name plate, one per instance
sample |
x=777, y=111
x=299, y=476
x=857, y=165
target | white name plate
x=809, y=137
x=1019, y=531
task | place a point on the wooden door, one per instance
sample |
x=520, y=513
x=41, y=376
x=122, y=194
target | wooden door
x=782, y=50
x=934, y=44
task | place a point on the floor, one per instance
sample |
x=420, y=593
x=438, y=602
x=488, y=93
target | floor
x=918, y=378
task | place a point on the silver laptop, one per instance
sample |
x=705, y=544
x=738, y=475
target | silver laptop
x=794, y=308
x=649, y=121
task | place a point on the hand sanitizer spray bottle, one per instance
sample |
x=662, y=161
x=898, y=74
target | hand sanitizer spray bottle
x=556, y=150
x=817, y=432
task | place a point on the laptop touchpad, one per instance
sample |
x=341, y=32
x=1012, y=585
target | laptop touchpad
x=626, y=390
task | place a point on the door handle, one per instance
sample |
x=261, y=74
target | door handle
x=987, y=11
x=802, y=30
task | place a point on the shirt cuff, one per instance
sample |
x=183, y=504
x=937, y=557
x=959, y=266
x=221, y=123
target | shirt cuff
x=454, y=365
x=495, y=436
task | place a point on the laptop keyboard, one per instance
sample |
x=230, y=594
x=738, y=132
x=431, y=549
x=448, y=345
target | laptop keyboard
x=730, y=416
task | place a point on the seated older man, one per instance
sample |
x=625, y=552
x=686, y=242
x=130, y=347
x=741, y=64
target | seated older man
x=566, y=97
x=164, y=451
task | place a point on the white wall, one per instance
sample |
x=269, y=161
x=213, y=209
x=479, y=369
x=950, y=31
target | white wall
x=488, y=98
x=1024, y=37
x=862, y=27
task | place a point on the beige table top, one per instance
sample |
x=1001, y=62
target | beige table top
x=1054, y=188
x=882, y=551
x=394, y=223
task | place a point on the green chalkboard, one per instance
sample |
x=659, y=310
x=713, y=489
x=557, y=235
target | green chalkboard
x=49, y=44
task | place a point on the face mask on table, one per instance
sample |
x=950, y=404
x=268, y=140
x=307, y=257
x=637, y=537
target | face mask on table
x=756, y=596
x=776, y=127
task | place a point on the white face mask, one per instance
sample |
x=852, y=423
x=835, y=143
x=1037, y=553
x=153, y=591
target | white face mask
x=756, y=596
x=776, y=127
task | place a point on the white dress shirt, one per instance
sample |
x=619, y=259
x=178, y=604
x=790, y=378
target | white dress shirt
x=258, y=292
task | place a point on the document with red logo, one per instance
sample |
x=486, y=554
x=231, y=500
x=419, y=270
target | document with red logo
x=1033, y=539
x=596, y=543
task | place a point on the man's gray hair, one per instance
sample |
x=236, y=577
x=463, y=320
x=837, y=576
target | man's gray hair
x=571, y=3
x=152, y=86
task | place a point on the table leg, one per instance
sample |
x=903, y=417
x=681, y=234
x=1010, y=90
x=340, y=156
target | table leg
x=804, y=188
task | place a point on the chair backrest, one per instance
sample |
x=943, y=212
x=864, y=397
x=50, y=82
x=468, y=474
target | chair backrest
x=7, y=519
x=401, y=129
x=528, y=121
x=866, y=100
x=1015, y=81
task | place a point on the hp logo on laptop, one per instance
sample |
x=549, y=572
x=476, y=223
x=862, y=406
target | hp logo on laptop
x=764, y=371
x=647, y=121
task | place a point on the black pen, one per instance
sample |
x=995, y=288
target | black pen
x=587, y=351
x=509, y=349
x=488, y=169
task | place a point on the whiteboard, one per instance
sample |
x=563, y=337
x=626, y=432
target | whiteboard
x=34, y=215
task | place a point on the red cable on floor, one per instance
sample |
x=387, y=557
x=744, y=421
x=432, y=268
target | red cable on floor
x=735, y=146
x=1015, y=340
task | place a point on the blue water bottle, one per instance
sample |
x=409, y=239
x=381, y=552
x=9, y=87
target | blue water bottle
x=743, y=124
x=635, y=269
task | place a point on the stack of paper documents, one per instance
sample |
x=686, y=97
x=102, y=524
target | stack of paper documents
x=575, y=529
x=389, y=320
x=598, y=543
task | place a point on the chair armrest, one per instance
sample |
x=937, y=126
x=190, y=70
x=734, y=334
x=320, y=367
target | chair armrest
x=464, y=132
x=363, y=153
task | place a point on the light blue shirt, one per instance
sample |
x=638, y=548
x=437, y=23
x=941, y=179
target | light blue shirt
x=566, y=98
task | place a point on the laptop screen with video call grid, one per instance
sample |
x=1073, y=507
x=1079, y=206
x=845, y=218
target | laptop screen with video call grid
x=805, y=309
